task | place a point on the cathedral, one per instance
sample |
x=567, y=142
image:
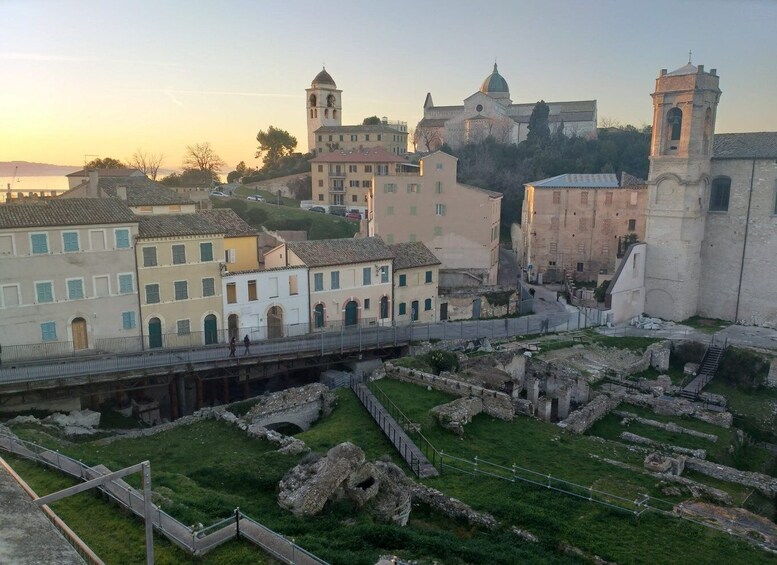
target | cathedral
x=491, y=112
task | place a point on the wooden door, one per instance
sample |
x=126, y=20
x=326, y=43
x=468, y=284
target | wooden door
x=80, y=339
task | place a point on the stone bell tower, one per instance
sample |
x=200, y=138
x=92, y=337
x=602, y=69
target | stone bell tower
x=324, y=106
x=684, y=106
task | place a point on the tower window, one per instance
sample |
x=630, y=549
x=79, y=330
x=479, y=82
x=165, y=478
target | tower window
x=721, y=188
x=674, y=118
x=312, y=99
x=326, y=112
x=330, y=101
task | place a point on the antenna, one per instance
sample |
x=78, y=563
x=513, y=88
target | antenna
x=689, y=56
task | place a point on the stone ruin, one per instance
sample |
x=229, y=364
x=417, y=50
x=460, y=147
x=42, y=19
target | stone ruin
x=77, y=422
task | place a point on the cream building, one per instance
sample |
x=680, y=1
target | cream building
x=349, y=279
x=241, y=245
x=67, y=274
x=80, y=177
x=266, y=304
x=344, y=178
x=572, y=223
x=179, y=274
x=324, y=111
x=416, y=279
x=457, y=222
x=491, y=112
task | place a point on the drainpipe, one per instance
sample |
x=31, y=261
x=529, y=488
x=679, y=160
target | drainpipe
x=744, y=245
x=137, y=282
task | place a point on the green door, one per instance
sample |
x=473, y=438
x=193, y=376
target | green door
x=211, y=330
x=154, y=333
x=351, y=313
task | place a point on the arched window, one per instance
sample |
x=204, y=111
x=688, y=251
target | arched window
x=719, y=193
x=318, y=316
x=334, y=113
x=312, y=99
x=330, y=101
x=326, y=112
x=674, y=118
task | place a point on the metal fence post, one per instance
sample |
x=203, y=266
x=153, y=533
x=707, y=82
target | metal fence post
x=237, y=523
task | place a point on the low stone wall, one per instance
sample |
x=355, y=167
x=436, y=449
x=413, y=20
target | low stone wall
x=764, y=484
x=771, y=380
x=634, y=438
x=670, y=406
x=580, y=420
x=455, y=415
x=496, y=404
x=669, y=426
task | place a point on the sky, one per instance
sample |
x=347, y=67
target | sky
x=104, y=78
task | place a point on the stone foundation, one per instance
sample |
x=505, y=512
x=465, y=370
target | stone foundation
x=670, y=426
x=764, y=484
x=634, y=438
x=580, y=420
x=455, y=415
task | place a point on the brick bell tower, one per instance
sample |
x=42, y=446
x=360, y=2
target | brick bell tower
x=684, y=107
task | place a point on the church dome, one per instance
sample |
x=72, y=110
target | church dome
x=494, y=84
x=323, y=78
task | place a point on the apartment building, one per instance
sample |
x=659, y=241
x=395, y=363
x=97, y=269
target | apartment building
x=416, y=279
x=241, y=249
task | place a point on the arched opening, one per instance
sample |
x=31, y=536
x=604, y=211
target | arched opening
x=313, y=99
x=210, y=326
x=80, y=339
x=319, y=316
x=154, y=333
x=326, y=112
x=311, y=113
x=275, y=322
x=384, y=307
x=351, y=313
x=674, y=118
x=232, y=326
x=719, y=194
x=330, y=101
x=334, y=114
x=707, y=131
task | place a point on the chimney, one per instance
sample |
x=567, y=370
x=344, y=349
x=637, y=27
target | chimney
x=663, y=72
x=701, y=69
x=121, y=192
x=93, y=191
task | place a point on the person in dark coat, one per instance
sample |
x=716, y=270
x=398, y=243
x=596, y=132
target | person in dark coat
x=232, y=346
x=247, y=343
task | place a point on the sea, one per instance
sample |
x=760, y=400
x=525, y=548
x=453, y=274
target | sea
x=26, y=184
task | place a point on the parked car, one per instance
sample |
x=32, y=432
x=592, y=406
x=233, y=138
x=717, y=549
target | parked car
x=318, y=209
x=353, y=215
x=337, y=210
x=219, y=194
x=256, y=198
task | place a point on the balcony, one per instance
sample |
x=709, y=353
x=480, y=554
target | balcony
x=337, y=174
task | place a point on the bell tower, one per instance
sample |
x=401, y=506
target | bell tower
x=323, y=105
x=684, y=107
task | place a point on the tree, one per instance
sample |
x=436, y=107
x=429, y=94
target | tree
x=241, y=170
x=539, y=131
x=274, y=145
x=427, y=137
x=191, y=177
x=105, y=163
x=201, y=157
x=147, y=163
x=371, y=121
x=301, y=188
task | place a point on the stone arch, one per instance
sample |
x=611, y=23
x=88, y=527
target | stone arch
x=313, y=100
x=233, y=325
x=674, y=122
x=274, y=317
x=350, y=311
x=319, y=316
x=330, y=101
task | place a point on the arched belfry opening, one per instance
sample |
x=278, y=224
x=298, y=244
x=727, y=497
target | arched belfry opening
x=674, y=120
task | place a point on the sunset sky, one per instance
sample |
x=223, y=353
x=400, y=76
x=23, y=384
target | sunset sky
x=104, y=78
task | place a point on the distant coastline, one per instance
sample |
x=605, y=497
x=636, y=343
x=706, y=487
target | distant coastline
x=30, y=169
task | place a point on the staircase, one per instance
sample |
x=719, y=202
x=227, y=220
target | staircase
x=709, y=364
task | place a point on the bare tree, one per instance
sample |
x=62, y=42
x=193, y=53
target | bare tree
x=147, y=163
x=202, y=157
x=427, y=137
x=606, y=123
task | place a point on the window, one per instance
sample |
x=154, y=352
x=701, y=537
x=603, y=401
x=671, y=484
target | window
x=173, y=208
x=252, y=294
x=379, y=137
x=438, y=187
x=354, y=137
x=633, y=198
x=366, y=276
x=293, y=288
x=126, y=285
x=354, y=198
x=231, y=293
x=428, y=277
x=206, y=252
x=122, y=238
x=428, y=304
x=70, y=241
x=389, y=187
x=584, y=197
x=366, y=303
x=608, y=198
x=632, y=225
x=439, y=166
x=674, y=118
x=6, y=245
x=439, y=209
x=44, y=292
x=413, y=211
x=320, y=167
x=179, y=254
x=367, y=168
x=384, y=274
x=402, y=308
x=183, y=327
x=9, y=295
x=152, y=294
x=402, y=280
x=553, y=247
x=230, y=255
x=208, y=287
x=366, y=137
x=39, y=243
x=437, y=230
x=351, y=168
x=556, y=197
x=321, y=196
x=382, y=170
x=334, y=280
x=353, y=183
x=719, y=194
x=181, y=290
x=554, y=223
x=149, y=257
x=48, y=331
x=389, y=210
x=318, y=281
x=366, y=184
x=321, y=183
x=413, y=188
x=97, y=240
x=102, y=286
x=75, y=289
x=580, y=267
x=321, y=138
x=128, y=320
x=145, y=209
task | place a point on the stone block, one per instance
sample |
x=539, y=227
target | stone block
x=772, y=378
x=564, y=399
x=544, y=406
x=532, y=390
x=690, y=368
x=659, y=355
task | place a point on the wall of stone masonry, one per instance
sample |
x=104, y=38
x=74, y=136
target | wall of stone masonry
x=763, y=483
x=580, y=420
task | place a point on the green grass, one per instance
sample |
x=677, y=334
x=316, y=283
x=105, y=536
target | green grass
x=706, y=325
x=245, y=191
x=322, y=226
x=636, y=344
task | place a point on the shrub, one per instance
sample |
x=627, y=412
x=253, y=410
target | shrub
x=601, y=291
x=687, y=352
x=443, y=361
x=743, y=369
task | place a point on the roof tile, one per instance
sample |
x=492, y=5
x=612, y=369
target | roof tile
x=324, y=252
x=69, y=212
x=412, y=254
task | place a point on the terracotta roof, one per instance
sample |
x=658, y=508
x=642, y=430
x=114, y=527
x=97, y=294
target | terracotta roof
x=70, y=212
x=413, y=254
x=756, y=145
x=141, y=191
x=323, y=252
x=491, y=193
x=366, y=155
x=227, y=219
x=432, y=123
x=382, y=128
x=166, y=225
x=108, y=173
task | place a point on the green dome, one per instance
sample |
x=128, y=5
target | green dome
x=494, y=84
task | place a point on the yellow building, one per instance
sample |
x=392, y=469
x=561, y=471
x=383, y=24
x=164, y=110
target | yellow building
x=179, y=280
x=241, y=252
x=416, y=279
x=349, y=279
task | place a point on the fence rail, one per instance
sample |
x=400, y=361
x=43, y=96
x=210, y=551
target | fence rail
x=195, y=542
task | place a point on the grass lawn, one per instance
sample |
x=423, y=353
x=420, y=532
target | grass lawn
x=706, y=325
x=246, y=191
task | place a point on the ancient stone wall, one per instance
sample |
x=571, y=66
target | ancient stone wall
x=455, y=415
x=580, y=420
x=763, y=483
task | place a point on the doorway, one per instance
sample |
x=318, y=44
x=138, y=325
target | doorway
x=443, y=311
x=275, y=322
x=154, y=333
x=414, y=311
x=232, y=325
x=211, y=329
x=476, y=309
x=80, y=339
x=318, y=316
x=351, y=313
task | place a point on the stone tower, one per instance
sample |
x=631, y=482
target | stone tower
x=324, y=105
x=684, y=107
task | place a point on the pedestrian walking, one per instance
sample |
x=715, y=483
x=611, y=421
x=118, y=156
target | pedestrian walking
x=247, y=343
x=232, y=346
